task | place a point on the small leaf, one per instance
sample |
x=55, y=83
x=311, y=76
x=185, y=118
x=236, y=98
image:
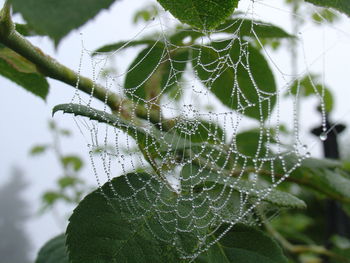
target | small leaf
x=244, y=244
x=50, y=197
x=22, y=72
x=340, y=5
x=222, y=68
x=68, y=181
x=38, y=149
x=72, y=161
x=57, y=18
x=310, y=85
x=202, y=14
x=123, y=44
x=54, y=251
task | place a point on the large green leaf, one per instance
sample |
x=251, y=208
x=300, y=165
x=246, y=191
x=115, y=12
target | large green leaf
x=119, y=222
x=57, y=18
x=105, y=229
x=238, y=75
x=154, y=71
x=202, y=14
x=22, y=72
x=340, y=5
x=54, y=251
x=244, y=244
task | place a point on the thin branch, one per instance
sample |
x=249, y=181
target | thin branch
x=299, y=249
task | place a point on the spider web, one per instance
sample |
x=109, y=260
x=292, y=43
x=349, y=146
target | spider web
x=206, y=108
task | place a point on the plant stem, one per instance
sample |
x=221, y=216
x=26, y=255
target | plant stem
x=51, y=68
x=299, y=249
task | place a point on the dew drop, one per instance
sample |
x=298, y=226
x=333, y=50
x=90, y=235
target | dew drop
x=323, y=136
x=308, y=155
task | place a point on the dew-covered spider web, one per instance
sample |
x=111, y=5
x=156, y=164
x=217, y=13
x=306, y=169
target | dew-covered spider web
x=204, y=125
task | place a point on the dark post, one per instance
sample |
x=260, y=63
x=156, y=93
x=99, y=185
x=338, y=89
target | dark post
x=338, y=222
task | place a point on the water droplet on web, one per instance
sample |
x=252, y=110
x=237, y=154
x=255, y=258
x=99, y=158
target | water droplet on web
x=323, y=136
x=308, y=155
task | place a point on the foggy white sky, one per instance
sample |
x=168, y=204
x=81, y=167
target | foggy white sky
x=24, y=116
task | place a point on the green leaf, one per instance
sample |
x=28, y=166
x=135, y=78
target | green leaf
x=254, y=190
x=50, y=197
x=154, y=72
x=248, y=142
x=148, y=143
x=38, y=149
x=124, y=44
x=107, y=231
x=310, y=85
x=340, y=5
x=244, y=244
x=233, y=85
x=72, y=161
x=252, y=28
x=200, y=131
x=202, y=14
x=57, y=18
x=68, y=181
x=324, y=176
x=54, y=251
x=22, y=72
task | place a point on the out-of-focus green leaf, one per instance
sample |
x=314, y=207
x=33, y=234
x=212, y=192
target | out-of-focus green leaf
x=322, y=176
x=310, y=86
x=340, y=5
x=252, y=28
x=154, y=72
x=200, y=131
x=145, y=14
x=72, y=161
x=54, y=251
x=222, y=68
x=248, y=142
x=26, y=30
x=22, y=72
x=57, y=18
x=324, y=15
x=202, y=14
x=341, y=247
x=124, y=44
x=68, y=181
x=38, y=149
x=244, y=244
x=50, y=197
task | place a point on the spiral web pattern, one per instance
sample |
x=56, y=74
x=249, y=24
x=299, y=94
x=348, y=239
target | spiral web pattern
x=197, y=141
